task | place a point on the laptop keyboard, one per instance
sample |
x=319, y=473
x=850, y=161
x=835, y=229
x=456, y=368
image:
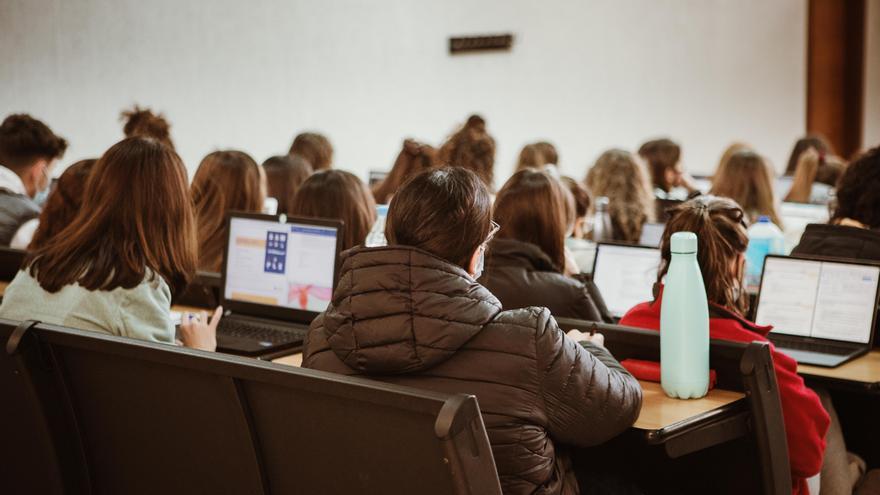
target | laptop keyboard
x=815, y=347
x=254, y=331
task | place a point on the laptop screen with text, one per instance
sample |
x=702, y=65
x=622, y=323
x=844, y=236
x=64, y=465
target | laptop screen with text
x=288, y=265
x=818, y=299
x=625, y=275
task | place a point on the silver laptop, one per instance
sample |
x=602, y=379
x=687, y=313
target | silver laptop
x=279, y=272
x=625, y=275
x=822, y=311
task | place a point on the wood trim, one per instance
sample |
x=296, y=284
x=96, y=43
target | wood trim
x=835, y=72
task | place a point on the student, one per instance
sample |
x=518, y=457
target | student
x=114, y=268
x=341, y=196
x=815, y=178
x=526, y=261
x=471, y=147
x=747, y=180
x=284, y=175
x=412, y=314
x=225, y=181
x=816, y=142
x=582, y=202
x=64, y=202
x=314, y=148
x=415, y=157
x=620, y=177
x=144, y=123
x=663, y=157
x=725, y=157
x=28, y=150
x=719, y=224
x=548, y=151
x=854, y=229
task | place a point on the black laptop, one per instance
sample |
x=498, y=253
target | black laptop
x=822, y=311
x=278, y=273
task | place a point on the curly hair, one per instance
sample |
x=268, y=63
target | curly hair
x=858, y=191
x=471, y=147
x=621, y=177
x=143, y=122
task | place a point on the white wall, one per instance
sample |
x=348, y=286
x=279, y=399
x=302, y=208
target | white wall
x=871, y=129
x=585, y=75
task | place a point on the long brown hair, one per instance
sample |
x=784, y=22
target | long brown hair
x=144, y=123
x=731, y=149
x=660, y=155
x=314, y=148
x=413, y=158
x=284, y=175
x=747, y=180
x=471, y=147
x=225, y=181
x=532, y=207
x=722, y=238
x=815, y=141
x=64, y=202
x=620, y=177
x=136, y=219
x=338, y=195
x=445, y=211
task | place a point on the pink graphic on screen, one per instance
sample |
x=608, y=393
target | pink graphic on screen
x=299, y=294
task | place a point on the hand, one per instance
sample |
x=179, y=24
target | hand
x=578, y=336
x=197, y=332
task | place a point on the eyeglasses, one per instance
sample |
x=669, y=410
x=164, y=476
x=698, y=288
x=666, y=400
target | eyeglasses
x=493, y=229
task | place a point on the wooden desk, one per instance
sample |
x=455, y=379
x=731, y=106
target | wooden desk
x=860, y=373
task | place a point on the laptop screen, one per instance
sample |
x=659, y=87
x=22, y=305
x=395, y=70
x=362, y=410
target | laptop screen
x=280, y=264
x=625, y=275
x=818, y=299
x=652, y=234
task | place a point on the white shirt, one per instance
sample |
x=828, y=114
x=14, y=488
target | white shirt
x=10, y=181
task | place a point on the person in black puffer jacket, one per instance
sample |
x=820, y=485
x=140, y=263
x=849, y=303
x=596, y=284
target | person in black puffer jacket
x=412, y=314
x=526, y=262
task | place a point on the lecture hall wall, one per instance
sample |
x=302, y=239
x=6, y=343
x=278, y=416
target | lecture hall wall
x=250, y=75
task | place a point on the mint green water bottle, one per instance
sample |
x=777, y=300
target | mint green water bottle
x=684, y=323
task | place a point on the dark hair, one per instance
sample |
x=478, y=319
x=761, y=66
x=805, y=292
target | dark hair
x=471, y=147
x=412, y=159
x=123, y=233
x=858, y=192
x=24, y=139
x=143, y=122
x=722, y=236
x=64, y=202
x=531, y=207
x=660, y=155
x=225, y=181
x=314, y=148
x=580, y=194
x=446, y=212
x=816, y=141
x=284, y=175
x=338, y=195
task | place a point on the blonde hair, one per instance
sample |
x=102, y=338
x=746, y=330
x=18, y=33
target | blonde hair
x=747, y=180
x=732, y=148
x=622, y=178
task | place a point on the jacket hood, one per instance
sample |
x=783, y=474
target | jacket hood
x=399, y=310
x=511, y=252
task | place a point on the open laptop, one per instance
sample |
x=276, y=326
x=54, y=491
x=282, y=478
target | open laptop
x=823, y=312
x=625, y=275
x=278, y=273
x=796, y=217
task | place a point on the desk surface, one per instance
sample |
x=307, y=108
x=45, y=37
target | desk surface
x=865, y=369
x=658, y=410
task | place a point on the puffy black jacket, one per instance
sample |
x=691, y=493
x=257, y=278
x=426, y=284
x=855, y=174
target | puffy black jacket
x=404, y=316
x=15, y=210
x=520, y=274
x=839, y=241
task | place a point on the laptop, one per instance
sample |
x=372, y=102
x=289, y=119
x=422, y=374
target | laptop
x=278, y=273
x=796, y=217
x=625, y=275
x=823, y=312
x=652, y=234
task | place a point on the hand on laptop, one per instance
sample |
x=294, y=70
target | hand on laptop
x=197, y=332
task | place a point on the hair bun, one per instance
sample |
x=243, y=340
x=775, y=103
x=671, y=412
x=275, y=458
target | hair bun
x=143, y=122
x=476, y=122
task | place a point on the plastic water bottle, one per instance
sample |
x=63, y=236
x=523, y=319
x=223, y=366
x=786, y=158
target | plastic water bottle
x=602, y=230
x=684, y=323
x=764, y=238
x=376, y=237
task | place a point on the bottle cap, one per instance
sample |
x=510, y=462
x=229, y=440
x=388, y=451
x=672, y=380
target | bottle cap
x=683, y=243
x=382, y=210
x=763, y=219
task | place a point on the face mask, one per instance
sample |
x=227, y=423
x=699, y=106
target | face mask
x=478, y=271
x=43, y=194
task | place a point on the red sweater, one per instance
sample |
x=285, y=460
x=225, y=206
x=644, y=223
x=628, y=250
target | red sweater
x=806, y=421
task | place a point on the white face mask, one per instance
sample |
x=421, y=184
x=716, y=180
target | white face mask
x=43, y=194
x=478, y=270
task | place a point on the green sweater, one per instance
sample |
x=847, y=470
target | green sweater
x=142, y=312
